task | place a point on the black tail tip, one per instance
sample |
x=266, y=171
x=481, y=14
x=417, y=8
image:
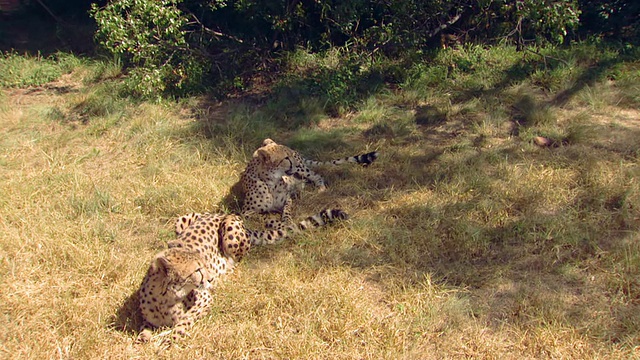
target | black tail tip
x=335, y=214
x=368, y=158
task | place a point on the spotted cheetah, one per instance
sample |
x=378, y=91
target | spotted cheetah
x=176, y=289
x=273, y=173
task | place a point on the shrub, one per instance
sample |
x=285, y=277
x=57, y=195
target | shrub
x=151, y=37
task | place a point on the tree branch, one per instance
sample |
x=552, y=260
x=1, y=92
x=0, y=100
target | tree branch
x=46, y=8
x=213, y=32
x=445, y=25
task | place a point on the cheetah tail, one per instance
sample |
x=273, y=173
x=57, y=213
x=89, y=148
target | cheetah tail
x=321, y=219
x=280, y=231
x=362, y=159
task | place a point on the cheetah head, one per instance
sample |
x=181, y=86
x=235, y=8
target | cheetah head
x=184, y=271
x=275, y=158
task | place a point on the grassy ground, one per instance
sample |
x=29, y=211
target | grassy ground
x=466, y=239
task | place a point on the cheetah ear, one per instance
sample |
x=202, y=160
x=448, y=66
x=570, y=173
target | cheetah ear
x=162, y=263
x=262, y=154
x=267, y=141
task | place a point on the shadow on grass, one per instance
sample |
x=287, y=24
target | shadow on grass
x=529, y=263
x=521, y=261
x=289, y=103
x=546, y=74
x=515, y=74
x=588, y=77
x=127, y=318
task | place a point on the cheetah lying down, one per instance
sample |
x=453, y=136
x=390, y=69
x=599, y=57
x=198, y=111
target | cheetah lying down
x=271, y=177
x=175, y=290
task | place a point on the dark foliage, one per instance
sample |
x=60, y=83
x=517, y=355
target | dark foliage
x=179, y=47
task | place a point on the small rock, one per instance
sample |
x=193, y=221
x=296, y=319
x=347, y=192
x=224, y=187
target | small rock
x=543, y=141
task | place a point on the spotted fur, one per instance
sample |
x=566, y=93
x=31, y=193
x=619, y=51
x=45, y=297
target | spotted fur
x=176, y=289
x=271, y=176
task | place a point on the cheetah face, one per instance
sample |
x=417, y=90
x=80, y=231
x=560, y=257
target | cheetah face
x=183, y=286
x=287, y=166
x=184, y=270
x=276, y=163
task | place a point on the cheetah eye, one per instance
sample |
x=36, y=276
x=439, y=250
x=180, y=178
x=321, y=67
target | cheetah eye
x=186, y=284
x=200, y=279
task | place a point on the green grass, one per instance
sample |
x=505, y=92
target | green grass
x=465, y=240
x=20, y=71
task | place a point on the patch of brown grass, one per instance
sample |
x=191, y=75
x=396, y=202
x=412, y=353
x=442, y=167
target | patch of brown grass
x=465, y=240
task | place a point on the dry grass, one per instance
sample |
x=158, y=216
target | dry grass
x=466, y=241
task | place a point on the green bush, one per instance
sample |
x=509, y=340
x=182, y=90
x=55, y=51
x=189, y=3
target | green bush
x=150, y=36
x=338, y=78
x=178, y=47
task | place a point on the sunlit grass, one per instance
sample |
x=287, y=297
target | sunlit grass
x=466, y=240
x=19, y=71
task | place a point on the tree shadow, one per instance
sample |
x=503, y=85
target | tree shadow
x=292, y=102
x=588, y=78
x=524, y=269
x=335, y=89
x=512, y=269
x=515, y=74
x=429, y=115
x=526, y=67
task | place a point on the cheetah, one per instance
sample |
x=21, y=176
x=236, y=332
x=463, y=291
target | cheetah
x=176, y=289
x=272, y=175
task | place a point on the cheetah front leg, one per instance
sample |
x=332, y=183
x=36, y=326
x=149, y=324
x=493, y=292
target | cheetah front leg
x=312, y=177
x=173, y=314
x=198, y=303
x=286, y=211
x=145, y=332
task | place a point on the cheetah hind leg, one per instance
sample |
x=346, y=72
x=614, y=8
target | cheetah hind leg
x=182, y=223
x=286, y=211
x=233, y=236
